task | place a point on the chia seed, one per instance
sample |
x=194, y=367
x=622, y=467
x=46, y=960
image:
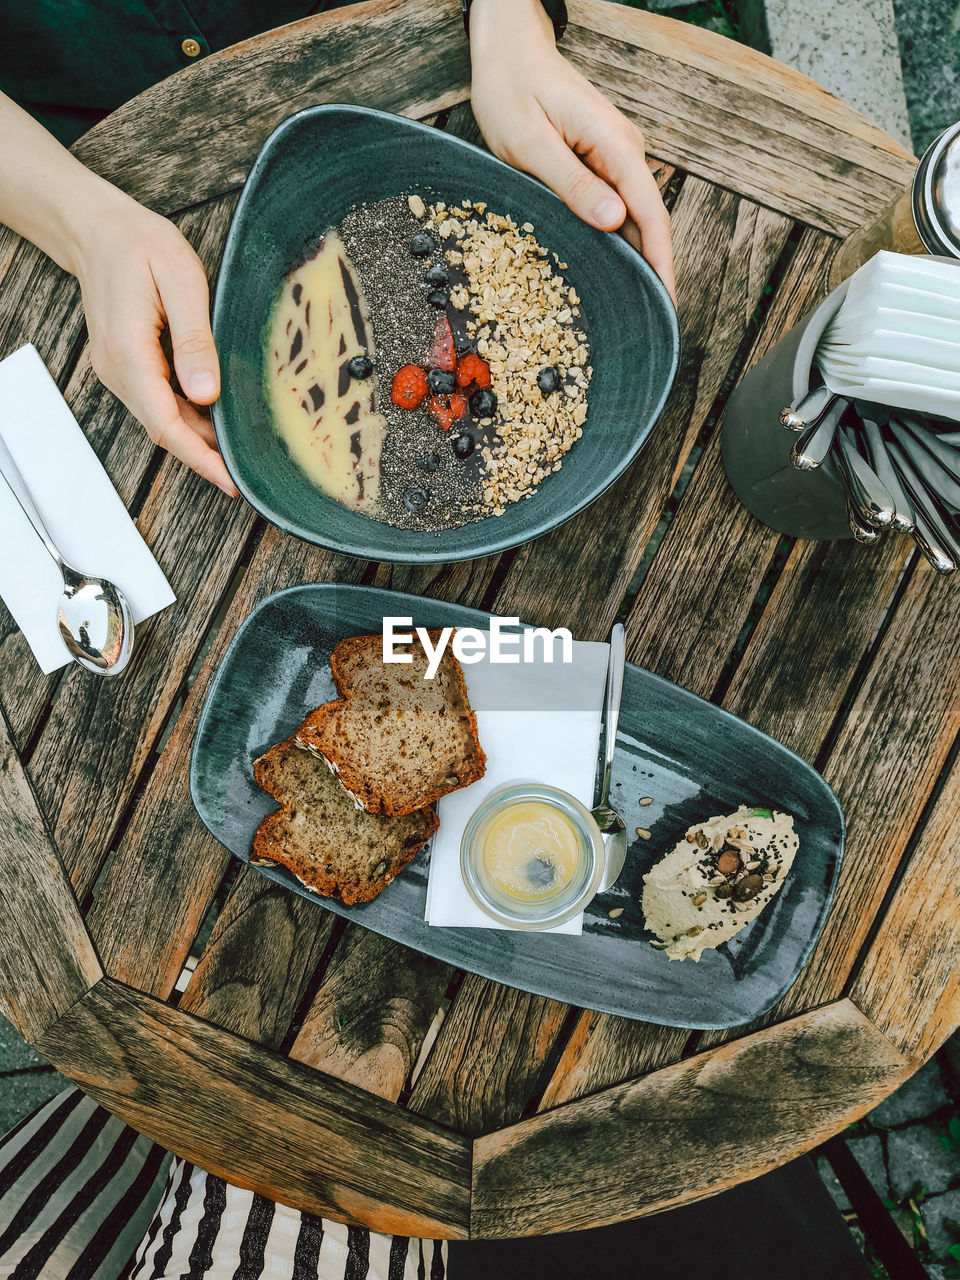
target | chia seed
x=377, y=238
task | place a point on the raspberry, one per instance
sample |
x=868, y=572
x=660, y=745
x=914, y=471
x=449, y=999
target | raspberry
x=441, y=354
x=447, y=409
x=409, y=387
x=471, y=368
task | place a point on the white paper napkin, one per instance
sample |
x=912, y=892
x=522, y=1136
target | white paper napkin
x=80, y=507
x=536, y=721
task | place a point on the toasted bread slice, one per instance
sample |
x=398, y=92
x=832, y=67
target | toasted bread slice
x=397, y=741
x=320, y=835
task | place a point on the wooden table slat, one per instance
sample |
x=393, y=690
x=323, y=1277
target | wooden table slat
x=708, y=580
x=371, y=1014
x=270, y=1119
x=901, y=726
x=604, y=1050
x=709, y=1122
x=908, y=985
x=47, y=959
x=264, y=949
x=487, y=1058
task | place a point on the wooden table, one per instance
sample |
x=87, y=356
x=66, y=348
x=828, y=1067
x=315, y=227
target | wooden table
x=313, y=1060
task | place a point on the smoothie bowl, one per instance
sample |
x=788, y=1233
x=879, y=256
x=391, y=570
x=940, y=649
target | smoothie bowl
x=425, y=355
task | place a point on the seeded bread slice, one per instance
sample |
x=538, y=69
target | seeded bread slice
x=397, y=741
x=329, y=844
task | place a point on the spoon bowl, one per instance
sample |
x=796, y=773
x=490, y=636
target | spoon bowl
x=94, y=617
x=95, y=622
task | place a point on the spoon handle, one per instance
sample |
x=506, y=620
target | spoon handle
x=812, y=445
x=14, y=481
x=611, y=711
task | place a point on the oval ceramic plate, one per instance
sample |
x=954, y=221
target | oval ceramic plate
x=690, y=758
x=311, y=172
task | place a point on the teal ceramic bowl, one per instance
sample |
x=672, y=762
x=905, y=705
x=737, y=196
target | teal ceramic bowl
x=313, y=169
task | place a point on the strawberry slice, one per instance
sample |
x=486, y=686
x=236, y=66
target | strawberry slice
x=442, y=354
x=446, y=410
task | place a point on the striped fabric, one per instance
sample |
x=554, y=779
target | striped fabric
x=78, y=1189
x=84, y=1197
x=209, y=1230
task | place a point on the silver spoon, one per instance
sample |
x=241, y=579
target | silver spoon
x=879, y=459
x=930, y=548
x=864, y=533
x=871, y=500
x=936, y=540
x=813, y=444
x=807, y=410
x=94, y=618
x=608, y=820
x=947, y=456
x=927, y=465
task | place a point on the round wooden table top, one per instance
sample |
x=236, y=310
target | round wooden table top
x=313, y=1060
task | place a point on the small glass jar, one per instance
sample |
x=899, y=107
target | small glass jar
x=531, y=856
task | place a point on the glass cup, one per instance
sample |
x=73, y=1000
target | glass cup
x=540, y=896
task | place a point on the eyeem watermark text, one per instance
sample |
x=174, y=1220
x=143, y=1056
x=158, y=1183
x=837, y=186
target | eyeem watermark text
x=470, y=644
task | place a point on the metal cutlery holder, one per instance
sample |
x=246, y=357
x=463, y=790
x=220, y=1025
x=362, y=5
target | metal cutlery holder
x=756, y=447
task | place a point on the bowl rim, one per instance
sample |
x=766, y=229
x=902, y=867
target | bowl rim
x=493, y=545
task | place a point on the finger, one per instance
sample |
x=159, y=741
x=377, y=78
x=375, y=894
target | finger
x=620, y=157
x=160, y=412
x=183, y=291
x=198, y=422
x=545, y=154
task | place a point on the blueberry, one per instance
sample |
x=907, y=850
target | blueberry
x=438, y=298
x=548, y=379
x=441, y=381
x=422, y=245
x=463, y=446
x=429, y=462
x=415, y=499
x=360, y=367
x=438, y=274
x=483, y=403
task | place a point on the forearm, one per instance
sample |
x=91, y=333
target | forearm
x=46, y=194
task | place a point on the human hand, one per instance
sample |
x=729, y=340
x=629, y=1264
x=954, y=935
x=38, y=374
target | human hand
x=139, y=276
x=540, y=115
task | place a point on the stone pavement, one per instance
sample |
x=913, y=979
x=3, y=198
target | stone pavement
x=909, y=1148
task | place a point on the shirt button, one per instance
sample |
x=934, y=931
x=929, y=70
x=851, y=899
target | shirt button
x=190, y=47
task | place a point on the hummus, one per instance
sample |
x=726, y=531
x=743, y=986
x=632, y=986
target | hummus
x=719, y=877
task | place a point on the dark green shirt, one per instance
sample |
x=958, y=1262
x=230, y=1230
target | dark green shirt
x=70, y=62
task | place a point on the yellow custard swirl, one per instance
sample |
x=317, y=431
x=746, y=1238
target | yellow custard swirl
x=529, y=850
